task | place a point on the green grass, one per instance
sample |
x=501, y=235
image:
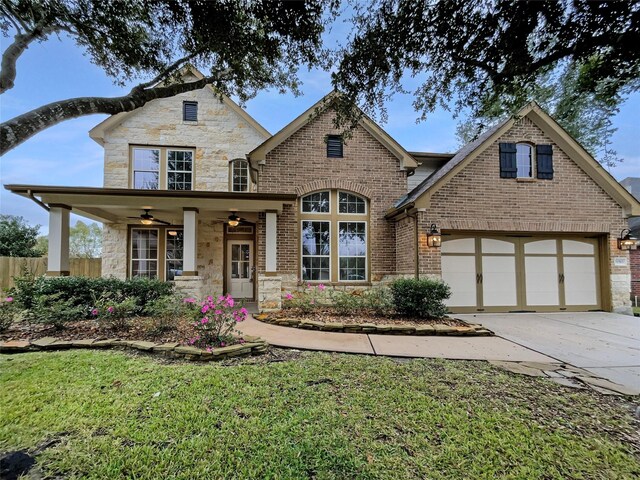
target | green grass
x=322, y=416
x=636, y=310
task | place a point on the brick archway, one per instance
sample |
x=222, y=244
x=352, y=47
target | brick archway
x=347, y=185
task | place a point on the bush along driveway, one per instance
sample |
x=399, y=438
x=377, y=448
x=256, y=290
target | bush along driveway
x=105, y=414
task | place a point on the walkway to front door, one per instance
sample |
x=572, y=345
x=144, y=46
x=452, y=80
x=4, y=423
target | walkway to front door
x=240, y=268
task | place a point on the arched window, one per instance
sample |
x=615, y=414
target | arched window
x=240, y=175
x=524, y=160
x=334, y=237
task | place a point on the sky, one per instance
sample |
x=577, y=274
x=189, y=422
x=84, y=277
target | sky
x=65, y=155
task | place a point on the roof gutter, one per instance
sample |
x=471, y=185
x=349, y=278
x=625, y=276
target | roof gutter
x=397, y=211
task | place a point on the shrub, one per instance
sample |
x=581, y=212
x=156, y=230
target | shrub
x=82, y=291
x=7, y=313
x=308, y=299
x=215, y=322
x=55, y=310
x=347, y=303
x=420, y=298
x=167, y=310
x=379, y=301
x=113, y=310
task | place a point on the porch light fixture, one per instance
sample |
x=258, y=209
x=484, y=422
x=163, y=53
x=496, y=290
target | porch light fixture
x=234, y=220
x=173, y=233
x=146, y=221
x=434, y=239
x=626, y=241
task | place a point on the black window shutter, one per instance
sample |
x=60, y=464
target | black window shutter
x=544, y=161
x=508, y=165
x=334, y=146
x=190, y=111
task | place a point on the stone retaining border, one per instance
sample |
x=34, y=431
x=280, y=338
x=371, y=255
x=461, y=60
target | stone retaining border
x=472, y=330
x=252, y=346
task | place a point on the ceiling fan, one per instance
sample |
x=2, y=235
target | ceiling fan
x=147, y=219
x=233, y=220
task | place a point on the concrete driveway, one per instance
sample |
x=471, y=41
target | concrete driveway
x=607, y=344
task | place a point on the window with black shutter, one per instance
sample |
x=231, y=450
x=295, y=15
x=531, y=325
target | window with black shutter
x=508, y=161
x=544, y=161
x=190, y=111
x=334, y=146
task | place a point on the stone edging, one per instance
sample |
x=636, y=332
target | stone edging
x=471, y=330
x=253, y=346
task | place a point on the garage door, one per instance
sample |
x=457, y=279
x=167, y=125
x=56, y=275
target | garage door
x=503, y=273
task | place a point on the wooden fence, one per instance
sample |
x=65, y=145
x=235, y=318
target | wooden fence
x=15, y=266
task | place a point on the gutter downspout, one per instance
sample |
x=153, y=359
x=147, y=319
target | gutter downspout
x=39, y=202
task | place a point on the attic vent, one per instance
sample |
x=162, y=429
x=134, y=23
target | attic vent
x=334, y=146
x=190, y=111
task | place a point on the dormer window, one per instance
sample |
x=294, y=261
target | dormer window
x=334, y=146
x=240, y=175
x=524, y=160
x=190, y=111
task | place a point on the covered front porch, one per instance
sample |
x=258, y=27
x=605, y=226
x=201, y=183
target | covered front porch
x=208, y=243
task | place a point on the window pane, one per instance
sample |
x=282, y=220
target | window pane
x=174, y=254
x=352, y=249
x=349, y=203
x=315, y=268
x=315, y=238
x=316, y=203
x=179, y=165
x=144, y=253
x=146, y=180
x=523, y=159
x=240, y=176
x=146, y=159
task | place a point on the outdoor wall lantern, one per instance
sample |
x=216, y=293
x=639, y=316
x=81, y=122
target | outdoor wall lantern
x=434, y=239
x=626, y=241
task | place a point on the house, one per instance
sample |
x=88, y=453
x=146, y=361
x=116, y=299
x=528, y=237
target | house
x=198, y=193
x=633, y=185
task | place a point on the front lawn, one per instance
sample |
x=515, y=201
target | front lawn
x=323, y=416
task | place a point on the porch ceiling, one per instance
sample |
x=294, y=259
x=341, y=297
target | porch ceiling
x=114, y=205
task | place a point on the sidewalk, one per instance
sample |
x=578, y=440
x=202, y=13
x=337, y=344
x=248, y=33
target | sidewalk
x=461, y=348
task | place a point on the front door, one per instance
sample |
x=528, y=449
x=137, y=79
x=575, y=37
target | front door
x=240, y=268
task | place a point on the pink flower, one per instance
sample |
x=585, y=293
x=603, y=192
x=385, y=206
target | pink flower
x=218, y=312
x=8, y=299
x=244, y=311
x=312, y=302
x=209, y=349
x=94, y=312
x=222, y=344
x=221, y=298
x=110, y=309
x=205, y=308
x=189, y=300
x=242, y=340
x=204, y=320
x=230, y=301
x=321, y=287
x=289, y=296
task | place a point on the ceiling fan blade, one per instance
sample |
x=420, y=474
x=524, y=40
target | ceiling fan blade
x=161, y=221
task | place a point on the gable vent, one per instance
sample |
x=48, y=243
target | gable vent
x=334, y=146
x=190, y=111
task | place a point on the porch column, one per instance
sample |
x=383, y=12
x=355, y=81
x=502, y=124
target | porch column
x=271, y=264
x=190, y=242
x=58, y=263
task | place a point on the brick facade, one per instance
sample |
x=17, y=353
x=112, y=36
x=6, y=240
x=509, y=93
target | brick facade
x=300, y=165
x=477, y=199
x=635, y=273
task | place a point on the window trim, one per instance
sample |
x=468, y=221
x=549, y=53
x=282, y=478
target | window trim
x=532, y=163
x=334, y=217
x=162, y=247
x=249, y=182
x=164, y=164
x=366, y=251
x=131, y=259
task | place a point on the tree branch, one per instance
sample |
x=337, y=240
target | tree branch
x=10, y=56
x=167, y=71
x=15, y=131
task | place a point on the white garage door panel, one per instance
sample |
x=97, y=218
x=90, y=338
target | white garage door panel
x=459, y=273
x=541, y=278
x=580, y=287
x=499, y=286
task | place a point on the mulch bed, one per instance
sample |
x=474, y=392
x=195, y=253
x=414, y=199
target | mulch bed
x=141, y=328
x=328, y=315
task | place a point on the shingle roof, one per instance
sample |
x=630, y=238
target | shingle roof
x=460, y=155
